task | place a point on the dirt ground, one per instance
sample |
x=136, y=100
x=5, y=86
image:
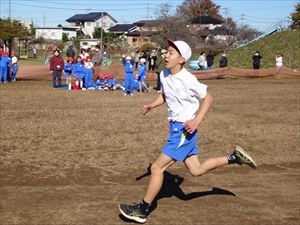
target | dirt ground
x=69, y=157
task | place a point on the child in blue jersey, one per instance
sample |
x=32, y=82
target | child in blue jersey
x=68, y=72
x=5, y=62
x=88, y=65
x=15, y=66
x=79, y=72
x=128, y=63
x=142, y=75
x=182, y=94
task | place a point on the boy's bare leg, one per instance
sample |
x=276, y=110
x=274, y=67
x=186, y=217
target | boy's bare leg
x=196, y=168
x=157, y=176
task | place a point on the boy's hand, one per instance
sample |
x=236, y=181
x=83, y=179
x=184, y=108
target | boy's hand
x=146, y=109
x=191, y=125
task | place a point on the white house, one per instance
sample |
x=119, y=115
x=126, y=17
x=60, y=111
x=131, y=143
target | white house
x=87, y=23
x=54, y=33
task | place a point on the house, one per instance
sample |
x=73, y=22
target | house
x=142, y=34
x=87, y=23
x=205, y=22
x=209, y=28
x=55, y=33
x=89, y=43
x=122, y=29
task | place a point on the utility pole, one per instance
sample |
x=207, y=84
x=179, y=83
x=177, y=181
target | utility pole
x=44, y=19
x=102, y=31
x=9, y=9
x=226, y=15
x=147, y=11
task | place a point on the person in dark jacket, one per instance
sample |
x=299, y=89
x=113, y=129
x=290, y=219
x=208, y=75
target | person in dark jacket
x=160, y=64
x=56, y=67
x=256, y=62
x=210, y=59
x=223, y=61
x=71, y=52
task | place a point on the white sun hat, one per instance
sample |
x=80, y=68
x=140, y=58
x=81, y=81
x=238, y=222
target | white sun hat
x=182, y=47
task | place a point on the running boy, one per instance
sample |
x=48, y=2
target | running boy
x=181, y=92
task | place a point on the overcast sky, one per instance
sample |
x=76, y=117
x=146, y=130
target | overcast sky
x=259, y=14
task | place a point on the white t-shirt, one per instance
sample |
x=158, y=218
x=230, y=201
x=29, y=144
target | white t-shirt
x=182, y=93
x=279, y=61
x=14, y=60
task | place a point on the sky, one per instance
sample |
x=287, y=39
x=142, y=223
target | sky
x=259, y=14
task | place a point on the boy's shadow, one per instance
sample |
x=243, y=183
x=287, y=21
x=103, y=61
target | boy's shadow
x=171, y=188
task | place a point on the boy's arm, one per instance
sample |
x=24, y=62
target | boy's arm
x=157, y=102
x=191, y=125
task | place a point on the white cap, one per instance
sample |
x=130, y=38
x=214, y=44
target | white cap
x=128, y=58
x=142, y=60
x=183, y=48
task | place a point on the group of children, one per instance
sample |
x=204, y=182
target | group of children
x=82, y=69
x=8, y=64
x=129, y=84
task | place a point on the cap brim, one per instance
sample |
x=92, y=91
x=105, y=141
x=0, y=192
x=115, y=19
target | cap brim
x=171, y=43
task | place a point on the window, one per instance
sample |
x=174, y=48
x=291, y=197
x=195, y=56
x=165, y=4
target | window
x=88, y=24
x=97, y=24
x=84, y=43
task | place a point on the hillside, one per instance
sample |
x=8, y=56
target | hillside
x=287, y=42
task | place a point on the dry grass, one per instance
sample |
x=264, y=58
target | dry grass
x=99, y=141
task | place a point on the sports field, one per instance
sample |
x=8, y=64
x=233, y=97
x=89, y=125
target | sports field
x=69, y=157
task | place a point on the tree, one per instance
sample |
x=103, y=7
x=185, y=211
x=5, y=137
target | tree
x=169, y=27
x=65, y=38
x=191, y=9
x=296, y=16
x=11, y=29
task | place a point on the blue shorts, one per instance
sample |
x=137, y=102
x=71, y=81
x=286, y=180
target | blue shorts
x=180, y=143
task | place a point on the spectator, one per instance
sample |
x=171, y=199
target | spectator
x=223, y=61
x=202, y=61
x=210, y=59
x=279, y=60
x=34, y=52
x=256, y=62
x=5, y=62
x=152, y=60
x=15, y=66
x=56, y=67
x=160, y=64
x=70, y=52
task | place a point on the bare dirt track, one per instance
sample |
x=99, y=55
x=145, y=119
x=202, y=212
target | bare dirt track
x=68, y=157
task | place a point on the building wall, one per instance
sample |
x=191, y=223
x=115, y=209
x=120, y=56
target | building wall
x=91, y=26
x=53, y=34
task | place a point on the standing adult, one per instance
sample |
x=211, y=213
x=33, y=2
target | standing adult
x=56, y=67
x=152, y=60
x=279, y=60
x=202, y=61
x=256, y=63
x=160, y=64
x=210, y=59
x=70, y=52
x=223, y=61
x=34, y=52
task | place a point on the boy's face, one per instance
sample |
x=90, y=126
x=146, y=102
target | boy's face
x=173, y=58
